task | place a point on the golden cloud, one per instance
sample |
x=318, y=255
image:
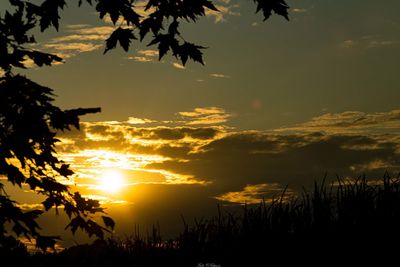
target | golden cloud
x=133, y=120
x=141, y=59
x=145, y=55
x=205, y=116
x=148, y=52
x=255, y=194
x=178, y=66
x=225, y=9
x=240, y=166
x=78, y=39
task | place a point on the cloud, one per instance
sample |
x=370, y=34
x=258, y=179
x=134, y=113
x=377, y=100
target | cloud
x=27, y=206
x=242, y=158
x=255, y=194
x=383, y=43
x=140, y=8
x=141, y=59
x=123, y=146
x=205, y=116
x=74, y=48
x=219, y=75
x=351, y=122
x=149, y=53
x=76, y=26
x=235, y=166
x=78, y=39
x=369, y=42
x=92, y=30
x=145, y=55
x=133, y=120
x=298, y=10
x=225, y=10
x=178, y=66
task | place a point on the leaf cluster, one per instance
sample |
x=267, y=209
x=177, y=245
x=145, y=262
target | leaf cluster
x=160, y=21
x=28, y=126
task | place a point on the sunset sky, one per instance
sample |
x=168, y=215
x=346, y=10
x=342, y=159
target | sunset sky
x=276, y=103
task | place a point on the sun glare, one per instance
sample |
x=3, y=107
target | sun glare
x=111, y=181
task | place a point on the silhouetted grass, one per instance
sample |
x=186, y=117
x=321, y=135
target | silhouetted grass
x=347, y=223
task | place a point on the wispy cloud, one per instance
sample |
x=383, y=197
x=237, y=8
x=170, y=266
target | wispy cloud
x=69, y=49
x=205, y=116
x=383, y=43
x=133, y=120
x=148, y=55
x=140, y=59
x=30, y=206
x=225, y=9
x=298, y=10
x=369, y=42
x=78, y=39
x=255, y=194
x=350, y=122
x=178, y=66
x=89, y=30
x=219, y=75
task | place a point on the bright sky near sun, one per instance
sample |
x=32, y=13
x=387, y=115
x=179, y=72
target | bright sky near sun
x=277, y=102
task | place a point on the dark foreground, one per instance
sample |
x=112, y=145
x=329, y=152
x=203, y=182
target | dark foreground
x=348, y=224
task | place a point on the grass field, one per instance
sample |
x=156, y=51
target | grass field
x=347, y=223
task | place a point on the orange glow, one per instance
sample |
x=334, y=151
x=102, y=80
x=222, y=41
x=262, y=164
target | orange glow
x=111, y=181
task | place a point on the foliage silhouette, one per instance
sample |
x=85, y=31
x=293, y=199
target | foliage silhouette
x=350, y=223
x=28, y=126
x=29, y=121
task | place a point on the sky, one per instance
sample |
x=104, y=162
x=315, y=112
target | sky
x=276, y=103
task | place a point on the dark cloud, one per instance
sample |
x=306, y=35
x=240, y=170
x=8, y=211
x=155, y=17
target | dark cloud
x=174, y=133
x=119, y=130
x=174, y=151
x=240, y=159
x=201, y=133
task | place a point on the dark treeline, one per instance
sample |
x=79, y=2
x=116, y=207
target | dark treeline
x=345, y=224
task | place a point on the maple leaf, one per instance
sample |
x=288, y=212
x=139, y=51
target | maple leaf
x=277, y=6
x=189, y=50
x=121, y=35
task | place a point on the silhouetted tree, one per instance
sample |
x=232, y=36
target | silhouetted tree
x=29, y=121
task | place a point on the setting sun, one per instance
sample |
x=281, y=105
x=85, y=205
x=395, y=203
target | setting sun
x=111, y=181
